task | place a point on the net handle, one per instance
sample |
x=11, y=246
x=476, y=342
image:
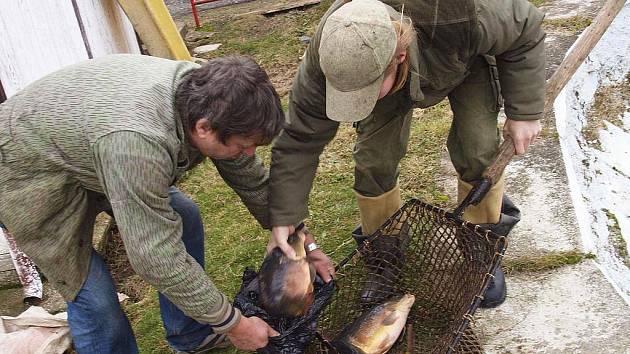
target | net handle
x=554, y=85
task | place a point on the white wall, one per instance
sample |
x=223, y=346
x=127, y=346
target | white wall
x=38, y=37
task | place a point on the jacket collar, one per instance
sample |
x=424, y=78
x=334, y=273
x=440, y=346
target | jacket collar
x=188, y=155
x=417, y=71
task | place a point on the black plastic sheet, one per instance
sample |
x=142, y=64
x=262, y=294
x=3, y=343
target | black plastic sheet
x=295, y=333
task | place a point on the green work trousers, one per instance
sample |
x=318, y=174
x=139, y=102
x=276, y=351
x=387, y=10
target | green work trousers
x=383, y=137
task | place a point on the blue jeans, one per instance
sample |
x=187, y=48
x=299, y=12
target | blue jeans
x=97, y=322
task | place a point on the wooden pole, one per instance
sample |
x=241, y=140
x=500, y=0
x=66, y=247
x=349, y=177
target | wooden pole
x=581, y=49
x=156, y=28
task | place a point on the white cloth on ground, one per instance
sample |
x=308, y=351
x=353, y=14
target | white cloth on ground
x=35, y=331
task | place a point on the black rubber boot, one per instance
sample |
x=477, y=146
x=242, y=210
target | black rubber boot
x=496, y=292
x=384, y=262
x=358, y=235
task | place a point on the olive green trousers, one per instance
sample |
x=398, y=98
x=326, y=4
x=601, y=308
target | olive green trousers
x=382, y=138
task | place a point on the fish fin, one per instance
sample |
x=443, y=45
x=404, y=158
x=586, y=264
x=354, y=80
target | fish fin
x=296, y=241
x=391, y=318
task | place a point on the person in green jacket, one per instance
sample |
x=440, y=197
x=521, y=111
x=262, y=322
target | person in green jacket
x=115, y=134
x=371, y=63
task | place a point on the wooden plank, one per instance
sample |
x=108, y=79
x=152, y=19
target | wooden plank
x=38, y=37
x=107, y=28
x=156, y=28
x=281, y=6
x=292, y=5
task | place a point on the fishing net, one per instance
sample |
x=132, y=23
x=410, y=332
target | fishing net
x=425, y=251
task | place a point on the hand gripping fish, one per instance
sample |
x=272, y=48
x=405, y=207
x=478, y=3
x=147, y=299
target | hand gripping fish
x=286, y=284
x=375, y=331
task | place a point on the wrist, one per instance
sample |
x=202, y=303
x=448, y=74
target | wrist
x=309, y=240
x=237, y=325
x=233, y=322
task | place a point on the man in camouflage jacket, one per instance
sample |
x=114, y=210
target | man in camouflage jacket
x=115, y=134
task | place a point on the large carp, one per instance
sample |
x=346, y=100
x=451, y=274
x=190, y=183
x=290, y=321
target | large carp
x=375, y=331
x=286, y=284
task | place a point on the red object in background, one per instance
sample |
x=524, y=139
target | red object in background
x=193, y=4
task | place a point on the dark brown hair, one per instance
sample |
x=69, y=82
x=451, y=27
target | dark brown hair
x=235, y=95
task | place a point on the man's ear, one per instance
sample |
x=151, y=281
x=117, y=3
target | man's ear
x=202, y=127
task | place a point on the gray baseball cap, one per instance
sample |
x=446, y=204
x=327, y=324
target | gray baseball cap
x=357, y=44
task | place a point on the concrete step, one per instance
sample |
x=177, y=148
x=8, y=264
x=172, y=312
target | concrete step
x=569, y=310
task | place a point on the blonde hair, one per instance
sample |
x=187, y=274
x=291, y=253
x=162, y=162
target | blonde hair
x=406, y=33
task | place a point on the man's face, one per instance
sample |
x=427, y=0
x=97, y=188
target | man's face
x=234, y=147
x=207, y=142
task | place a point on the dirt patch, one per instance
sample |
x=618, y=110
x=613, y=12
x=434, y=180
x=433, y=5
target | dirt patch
x=281, y=77
x=275, y=42
x=241, y=9
x=115, y=257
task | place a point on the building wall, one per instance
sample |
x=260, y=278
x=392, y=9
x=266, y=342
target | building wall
x=38, y=37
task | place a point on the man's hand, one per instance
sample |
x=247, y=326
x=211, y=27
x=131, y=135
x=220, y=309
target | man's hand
x=251, y=333
x=522, y=132
x=323, y=265
x=279, y=236
x=321, y=262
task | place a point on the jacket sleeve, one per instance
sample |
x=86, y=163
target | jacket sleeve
x=295, y=154
x=511, y=31
x=135, y=173
x=250, y=180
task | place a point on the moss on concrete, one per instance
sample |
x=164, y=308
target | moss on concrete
x=615, y=237
x=573, y=24
x=609, y=104
x=545, y=262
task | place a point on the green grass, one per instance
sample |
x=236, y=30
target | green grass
x=147, y=324
x=270, y=40
x=423, y=162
